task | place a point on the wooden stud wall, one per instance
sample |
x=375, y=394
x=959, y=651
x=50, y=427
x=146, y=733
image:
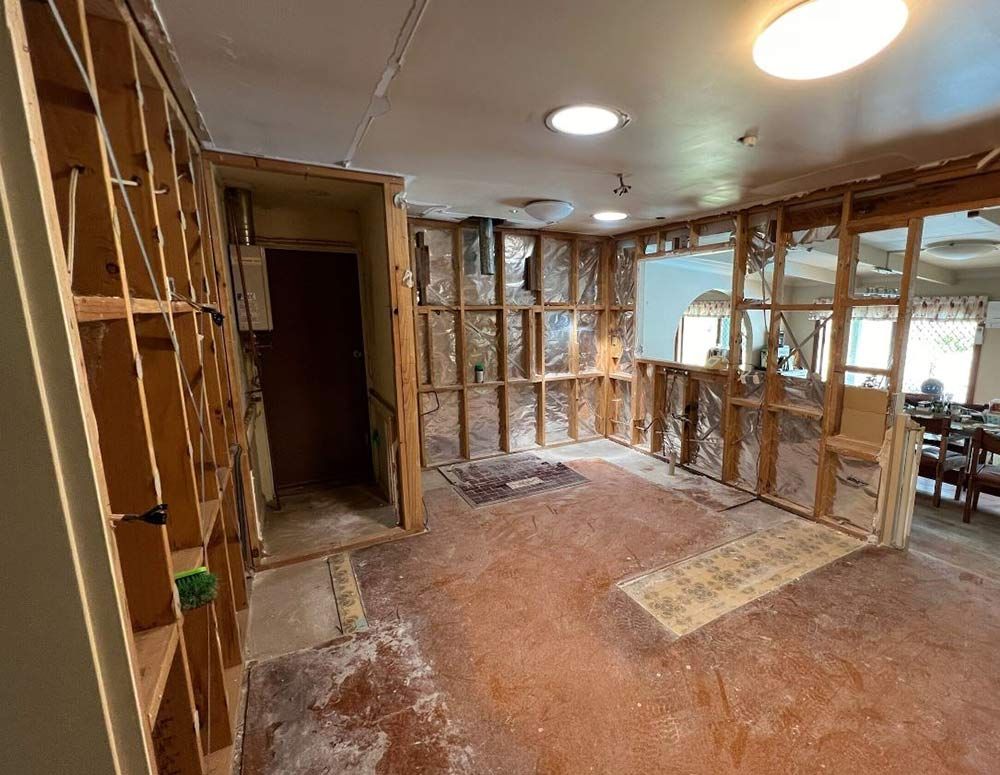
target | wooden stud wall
x=534, y=328
x=164, y=414
x=895, y=201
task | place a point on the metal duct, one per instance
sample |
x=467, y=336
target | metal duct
x=487, y=247
x=423, y=265
x=240, y=203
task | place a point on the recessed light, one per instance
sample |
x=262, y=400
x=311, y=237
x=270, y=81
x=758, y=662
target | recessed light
x=585, y=120
x=610, y=215
x=819, y=38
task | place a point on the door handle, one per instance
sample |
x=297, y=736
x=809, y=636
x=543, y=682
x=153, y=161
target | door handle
x=357, y=353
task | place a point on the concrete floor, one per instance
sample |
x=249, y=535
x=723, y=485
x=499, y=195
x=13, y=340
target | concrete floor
x=499, y=642
x=316, y=520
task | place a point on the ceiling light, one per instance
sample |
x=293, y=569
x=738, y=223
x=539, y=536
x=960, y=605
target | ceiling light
x=585, y=120
x=819, y=38
x=548, y=210
x=962, y=249
x=610, y=215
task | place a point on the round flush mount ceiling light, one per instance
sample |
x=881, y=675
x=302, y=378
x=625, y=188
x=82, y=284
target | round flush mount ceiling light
x=610, y=215
x=585, y=120
x=548, y=210
x=819, y=38
x=963, y=249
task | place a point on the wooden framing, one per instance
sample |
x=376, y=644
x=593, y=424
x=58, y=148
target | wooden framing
x=156, y=369
x=900, y=200
x=533, y=326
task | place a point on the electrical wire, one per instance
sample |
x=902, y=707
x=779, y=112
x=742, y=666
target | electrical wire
x=74, y=179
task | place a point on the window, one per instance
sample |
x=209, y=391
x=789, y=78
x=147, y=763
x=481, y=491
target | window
x=943, y=350
x=698, y=335
x=869, y=345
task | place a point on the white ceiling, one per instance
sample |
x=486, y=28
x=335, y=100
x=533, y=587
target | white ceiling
x=293, y=80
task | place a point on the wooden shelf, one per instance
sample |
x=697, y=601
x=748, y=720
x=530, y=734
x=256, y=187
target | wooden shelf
x=154, y=652
x=188, y=559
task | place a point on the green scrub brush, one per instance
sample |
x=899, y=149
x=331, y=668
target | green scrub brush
x=196, y=587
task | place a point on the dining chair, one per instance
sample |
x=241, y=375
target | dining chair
x=982, y=475
x=937, y=461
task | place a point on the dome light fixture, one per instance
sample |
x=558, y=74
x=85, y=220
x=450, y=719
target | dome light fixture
x=820, y=38
x=585, y=120
x=549, y=210
x=609, y=216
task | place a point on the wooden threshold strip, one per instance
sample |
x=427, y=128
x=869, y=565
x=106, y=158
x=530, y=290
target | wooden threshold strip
x=154, y=653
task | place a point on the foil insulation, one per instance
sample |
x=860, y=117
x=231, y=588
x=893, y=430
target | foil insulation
x=588, y=278
x=477, y=288
x=707, y=439
x=855, y=493
x=481, y=345
x=484, y=421
x=558, y=333
x=517, y=249
x=441, y=423
x=442, y=285
x=623, y=327
x=588, y=343
x=589, y=419
x=671, y=414
x=624, y=276
x=444, y=355
x=557, y=257
x=558, y=397
x=747, y=446
x=517, y=347
x=522, y=403
x=797, y=460
x=645, y=406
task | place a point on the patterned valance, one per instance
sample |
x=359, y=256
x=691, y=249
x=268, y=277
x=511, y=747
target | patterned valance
x=716, y=308
x=924, y=308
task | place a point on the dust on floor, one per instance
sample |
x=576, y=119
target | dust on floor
x=511, y=620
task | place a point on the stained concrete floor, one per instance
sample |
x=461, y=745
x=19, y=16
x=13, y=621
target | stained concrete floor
x=500, y=643
x=320, y=518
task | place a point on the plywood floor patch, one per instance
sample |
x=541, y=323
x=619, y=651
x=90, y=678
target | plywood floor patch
x=691, y=593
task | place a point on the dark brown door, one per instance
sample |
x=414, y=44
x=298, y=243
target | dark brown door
x=313, y=370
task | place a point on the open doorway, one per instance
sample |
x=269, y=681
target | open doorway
x=319, y=361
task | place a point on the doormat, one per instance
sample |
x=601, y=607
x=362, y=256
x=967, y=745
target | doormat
x=505, y=478
x=693, y=592
x=346, y=593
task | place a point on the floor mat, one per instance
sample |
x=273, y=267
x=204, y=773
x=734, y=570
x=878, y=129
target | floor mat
x=691, y=593
x=350, y=609
x=503, y=479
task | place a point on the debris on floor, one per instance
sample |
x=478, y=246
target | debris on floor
x=506, y=478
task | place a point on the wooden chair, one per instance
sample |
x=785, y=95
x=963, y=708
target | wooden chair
x=950, y=465
x=981, y=474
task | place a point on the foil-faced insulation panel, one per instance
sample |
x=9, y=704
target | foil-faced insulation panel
x=707, y=439
x=484, y=421
x=481, y=345
x=624, y=276
x=589, y=419
x=588, y=277
x=442, y=287
x=855, y=493
x=522, y=403
x=557, y=258
x=558, y=398
x=517, y=249
x=477, y=288
x=620, y=411
x=797, y=460
x=671, y=414
x=623, y=329
x=588, y=347
x=517, y=345
x=558, y=333
x=444, y=354
x=440, y=419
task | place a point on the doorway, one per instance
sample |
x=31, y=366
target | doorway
x=313, y=371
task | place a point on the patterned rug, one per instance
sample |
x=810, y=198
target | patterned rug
x=691, y=593
x=505, y=478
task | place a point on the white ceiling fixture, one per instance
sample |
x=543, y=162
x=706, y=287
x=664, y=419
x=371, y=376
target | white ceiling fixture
x=610, y=215
x=963, y=249
x=585, y=120
x=549, y=210
x=820, y=38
